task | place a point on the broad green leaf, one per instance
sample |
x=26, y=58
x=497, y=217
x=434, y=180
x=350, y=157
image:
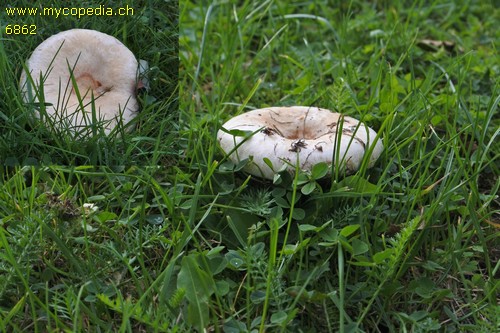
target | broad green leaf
x=168, y=287
x=95, y=198
x=349, y=230
x=308, y=188
x=358, y=247
x=381, y=256
x=198, y=284
x=289, y=249
x=243, y=163
x=155, y=219
x=256, y=250
x=419, y=315
x=435, y=120
x=199, y=287
x=278, y=317
x=319, y=170
x=308, y=227
x=237, y=263
x=302, y=178
x=298, y=214
x=258, y=296
x=222, y=287
x=280, y=201
x=234, y=326
x=359, y=184
x=226, y=166
x=215, y=251
x=217, y=264
x=197, y=315
x=330, y=235
x=268, y=162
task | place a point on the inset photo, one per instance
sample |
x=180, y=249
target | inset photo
x=91, y=83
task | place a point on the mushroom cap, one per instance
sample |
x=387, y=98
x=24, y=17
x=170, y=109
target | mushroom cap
x=105, y=72
x=298, y=135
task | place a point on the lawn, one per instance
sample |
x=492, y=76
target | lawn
x=166, y=234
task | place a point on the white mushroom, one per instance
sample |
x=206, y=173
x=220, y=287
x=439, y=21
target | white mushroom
x=102, y=68
x=297, y=135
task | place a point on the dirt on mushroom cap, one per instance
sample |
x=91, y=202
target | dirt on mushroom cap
x=298, y=136
x=103, y=69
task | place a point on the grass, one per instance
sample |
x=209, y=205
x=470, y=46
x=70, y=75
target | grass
x=196, y=244
x=150, y=33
